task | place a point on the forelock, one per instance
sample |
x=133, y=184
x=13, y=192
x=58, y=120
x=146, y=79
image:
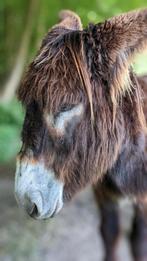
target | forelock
x=59, y=73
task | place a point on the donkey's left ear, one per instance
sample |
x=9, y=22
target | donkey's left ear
x=69, y=20
x=126, y=34
x=122, y=37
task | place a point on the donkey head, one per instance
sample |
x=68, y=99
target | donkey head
x=74, y=127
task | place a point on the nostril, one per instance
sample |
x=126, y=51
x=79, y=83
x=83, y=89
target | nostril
x=31, y=208
x=33, y=203
x=34, y=211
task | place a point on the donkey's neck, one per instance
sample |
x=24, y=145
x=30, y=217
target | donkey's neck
x=130, y=170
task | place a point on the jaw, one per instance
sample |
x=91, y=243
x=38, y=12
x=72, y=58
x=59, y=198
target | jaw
x=37, y=186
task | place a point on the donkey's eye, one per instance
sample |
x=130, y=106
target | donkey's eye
x=64, y=108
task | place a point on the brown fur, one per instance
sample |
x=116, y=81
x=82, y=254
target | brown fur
x=92, y=67
x=86, y=66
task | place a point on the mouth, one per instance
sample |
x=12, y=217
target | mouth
x=57, y=209
x=46, y=214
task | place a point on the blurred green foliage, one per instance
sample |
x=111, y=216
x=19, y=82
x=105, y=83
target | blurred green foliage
x=11, y=118
x=13, y=18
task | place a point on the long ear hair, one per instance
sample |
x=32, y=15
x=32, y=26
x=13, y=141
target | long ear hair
x=129, y=38
x=118, y=40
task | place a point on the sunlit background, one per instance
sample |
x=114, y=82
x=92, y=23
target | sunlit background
x=73, y=235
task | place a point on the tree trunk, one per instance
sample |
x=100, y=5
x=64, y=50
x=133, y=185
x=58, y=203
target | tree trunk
x=15, y=77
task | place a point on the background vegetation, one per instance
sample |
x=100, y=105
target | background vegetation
x=22, y=26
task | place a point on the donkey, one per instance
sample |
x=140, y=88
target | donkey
x=85, y=123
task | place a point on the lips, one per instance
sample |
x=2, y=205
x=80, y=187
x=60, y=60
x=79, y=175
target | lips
x=51, y=212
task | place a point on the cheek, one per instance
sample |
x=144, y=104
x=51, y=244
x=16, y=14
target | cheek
x=65, y=144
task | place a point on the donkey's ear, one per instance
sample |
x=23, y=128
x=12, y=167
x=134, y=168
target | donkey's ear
x=127, y=34
x=122, y=37
x=69, y=20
